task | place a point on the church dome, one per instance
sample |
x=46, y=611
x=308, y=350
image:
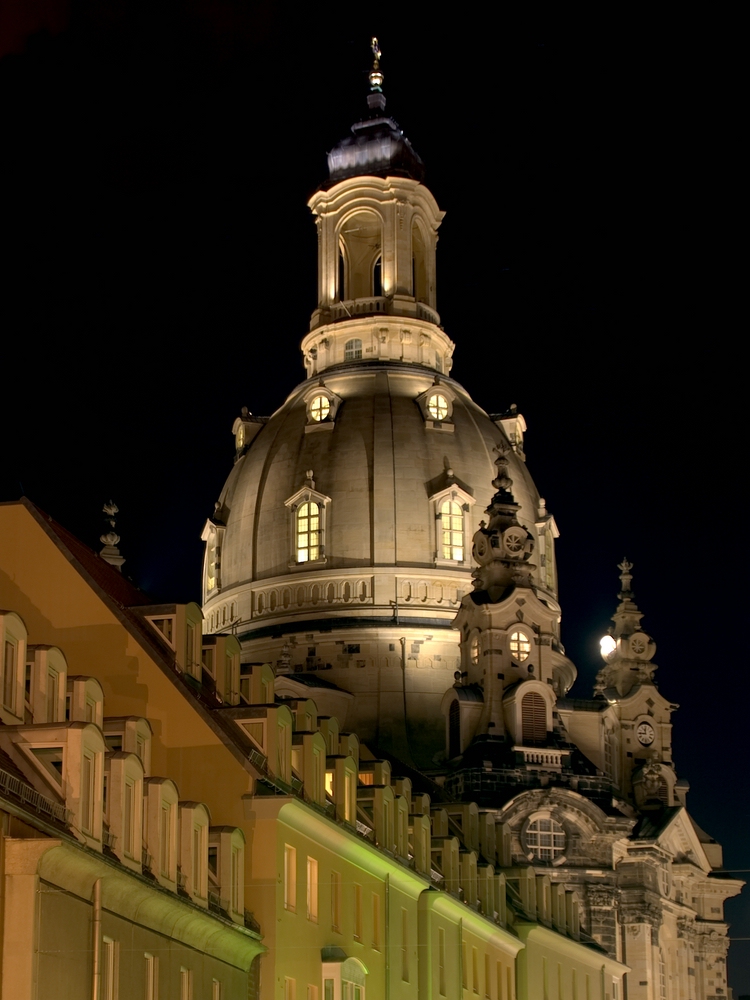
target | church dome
x=380, y=469
x=342, y=538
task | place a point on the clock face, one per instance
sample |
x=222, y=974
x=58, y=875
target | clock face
x=645, y=734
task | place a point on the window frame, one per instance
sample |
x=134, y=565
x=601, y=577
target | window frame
x=294, y=504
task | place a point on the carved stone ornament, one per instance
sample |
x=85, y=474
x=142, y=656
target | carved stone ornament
x=600, y=895
x=641, y=913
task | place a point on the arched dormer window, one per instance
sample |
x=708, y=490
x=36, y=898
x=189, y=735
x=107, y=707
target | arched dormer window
x=309, y=532
x=533, y=719
x=451, y=531
x=353, y=349
x=308, y=511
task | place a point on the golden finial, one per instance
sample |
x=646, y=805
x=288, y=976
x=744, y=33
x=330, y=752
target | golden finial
x=376, y=77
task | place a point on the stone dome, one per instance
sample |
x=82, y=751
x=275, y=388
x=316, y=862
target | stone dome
x=342, y=539
x=380, y=466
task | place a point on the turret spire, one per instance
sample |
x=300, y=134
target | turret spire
x=626, y=649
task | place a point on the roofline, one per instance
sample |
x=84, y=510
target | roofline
x=153, y=650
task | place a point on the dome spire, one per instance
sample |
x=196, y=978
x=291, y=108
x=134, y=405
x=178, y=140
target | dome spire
x=376, y=77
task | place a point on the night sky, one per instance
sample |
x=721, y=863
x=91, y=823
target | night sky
x=158, y=159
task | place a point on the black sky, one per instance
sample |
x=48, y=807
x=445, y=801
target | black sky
x=160, y=274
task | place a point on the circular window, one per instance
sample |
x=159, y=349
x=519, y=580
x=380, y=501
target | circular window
x=545, y=839
x=520, y=646
x=437, y=406
x=320, y=407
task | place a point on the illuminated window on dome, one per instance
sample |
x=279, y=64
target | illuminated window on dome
x=452, y=530
x=545, y=839
x=308, y=532
x=320, y=408
x=437, y=406
x=352, y=350
x=520, y=646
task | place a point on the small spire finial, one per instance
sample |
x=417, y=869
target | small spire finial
x=376, y=77
x=626, y=577
x=110, y=553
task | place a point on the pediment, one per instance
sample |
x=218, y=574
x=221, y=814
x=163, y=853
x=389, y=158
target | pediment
x=679, y=838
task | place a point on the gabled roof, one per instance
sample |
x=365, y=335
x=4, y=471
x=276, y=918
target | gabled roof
x=105, y=576
x=125, y=602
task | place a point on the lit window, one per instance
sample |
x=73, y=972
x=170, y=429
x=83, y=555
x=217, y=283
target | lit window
x=520, y=646
x=352, y=350
x=545, y=839
x=290, y=878
x=452, y=531
x=87, y=793
x=152, y=976
x=186, y=983
x=9, y=676
x=437, y=406
x=357, y=912
x=474, y=650
x=335, y=901
x=320, y=407
x=109, y=969
x=309, y=532
x=312, y=890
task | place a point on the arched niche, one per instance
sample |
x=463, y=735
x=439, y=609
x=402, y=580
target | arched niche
x=360, y=251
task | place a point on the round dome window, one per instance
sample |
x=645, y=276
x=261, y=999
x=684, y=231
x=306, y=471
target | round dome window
x=320, y=407
x=437, y=406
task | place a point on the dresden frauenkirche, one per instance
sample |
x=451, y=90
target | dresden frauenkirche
x=381, y=545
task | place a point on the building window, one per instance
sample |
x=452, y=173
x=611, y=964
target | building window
x=215, y=989
x=110, y=969
x=441, y=961
x=376, y=921
x=520, y=646
x=353, y=350
x=475, y=969
x=312, y=992
x=88, y=772
x=312, y=890
x=128, y=819
x=437, y=406
x=186, y=983
x=320, y=407
x=533, y=719
x=357, y=912
x=309, y=532
x=545, y=839
x=235, y=880
x=335, y=901
x=290, y=988
x=451, y=531
x=290, y=878
x=165, y=839
x=152, y=977
x=52, y=689
x=405, y=945
x=474, y=649
x=10, y=660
